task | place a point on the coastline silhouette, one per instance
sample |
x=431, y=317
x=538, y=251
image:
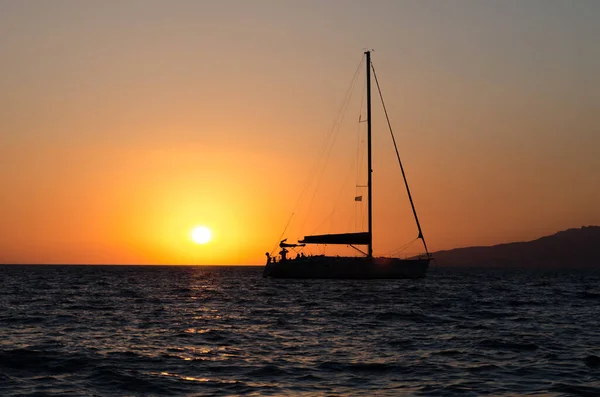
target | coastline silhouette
x=567, y=249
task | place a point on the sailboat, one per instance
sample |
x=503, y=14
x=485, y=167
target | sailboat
x=366, y=266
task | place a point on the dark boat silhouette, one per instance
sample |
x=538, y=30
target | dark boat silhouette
x=360, y=267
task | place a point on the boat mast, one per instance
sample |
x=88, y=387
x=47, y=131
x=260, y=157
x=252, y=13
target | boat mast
x=369, y=169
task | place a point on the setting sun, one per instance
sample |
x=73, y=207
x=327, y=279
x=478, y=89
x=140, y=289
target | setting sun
x=201, y=235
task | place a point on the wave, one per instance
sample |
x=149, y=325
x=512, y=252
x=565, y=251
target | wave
x=498, y=344
x=574, y=389
x=32, y=361
x=203, y=332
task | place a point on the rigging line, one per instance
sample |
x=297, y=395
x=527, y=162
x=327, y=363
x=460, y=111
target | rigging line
x=338, y=197
x=336, y=121
x=334, y=133
x=321, y=173
x=357, y=172
x=402, y=248
x=359, y=152
x=282, y=233
x=345, y=102
x=400, y=162
x=361, y=167
x=319, y=159
x=326, y=149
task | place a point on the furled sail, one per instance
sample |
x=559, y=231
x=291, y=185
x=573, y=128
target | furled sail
x=361, y=238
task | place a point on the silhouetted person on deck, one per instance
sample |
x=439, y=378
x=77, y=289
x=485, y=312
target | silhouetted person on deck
x=268, y=257
x=283, y=254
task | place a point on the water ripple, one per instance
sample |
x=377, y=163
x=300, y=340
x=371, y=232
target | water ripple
x=160, y=331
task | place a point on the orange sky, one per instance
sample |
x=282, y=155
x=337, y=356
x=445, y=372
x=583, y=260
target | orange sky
x=125, y=124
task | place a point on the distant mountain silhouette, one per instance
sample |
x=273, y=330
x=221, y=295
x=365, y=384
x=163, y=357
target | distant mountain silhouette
x=568, y=249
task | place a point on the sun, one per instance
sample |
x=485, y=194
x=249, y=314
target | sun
x=201, y=234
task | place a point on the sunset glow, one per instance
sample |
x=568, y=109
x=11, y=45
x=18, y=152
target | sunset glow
x=125, y=125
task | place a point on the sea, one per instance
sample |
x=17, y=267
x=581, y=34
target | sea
x=226, y=331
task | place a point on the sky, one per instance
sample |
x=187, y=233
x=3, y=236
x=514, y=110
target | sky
x=125, y=124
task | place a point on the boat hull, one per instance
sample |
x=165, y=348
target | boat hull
x=348, y=268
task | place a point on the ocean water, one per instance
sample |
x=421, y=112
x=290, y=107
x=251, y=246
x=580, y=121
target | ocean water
x=221, y=331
